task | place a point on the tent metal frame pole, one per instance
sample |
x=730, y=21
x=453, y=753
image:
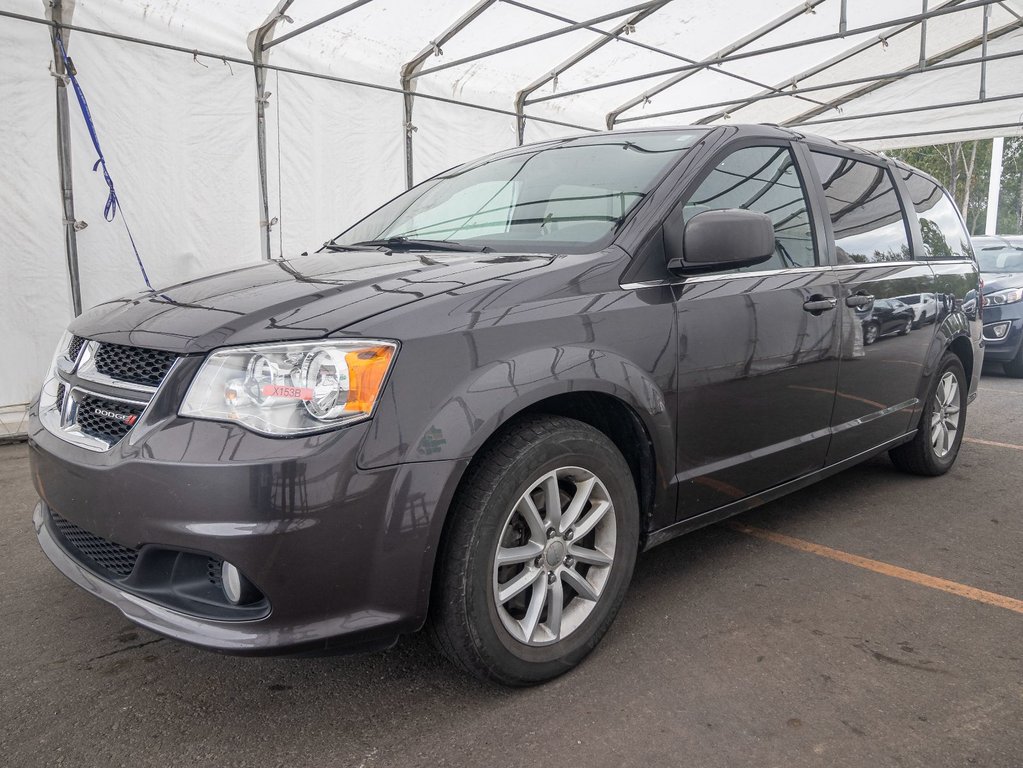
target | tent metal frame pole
x=717, y=58
x=411, y=67
x=994, y=186
x=845, y=55
x=983, y=53
x=608, y=35
x=843, y=17
x=928, y=64
x=923, y=36
x=905, y=20
x=571, y=61
x=545, y=36
x=193, y=52
x=64, y=163
x=907, y=110
x=893, y=76
x=938, y=132
x=259, y=37
x=654, y=49
x=268, y=44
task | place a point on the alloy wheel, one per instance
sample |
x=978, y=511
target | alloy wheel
x=945, y=415
x=554, y=556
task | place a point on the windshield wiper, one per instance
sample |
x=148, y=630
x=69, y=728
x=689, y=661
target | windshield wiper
x=338, y=247
x=411, y=244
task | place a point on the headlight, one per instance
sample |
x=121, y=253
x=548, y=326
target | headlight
x=1010, y=296
x=291, y=389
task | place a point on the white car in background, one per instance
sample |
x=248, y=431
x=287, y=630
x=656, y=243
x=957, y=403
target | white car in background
x=924, y=306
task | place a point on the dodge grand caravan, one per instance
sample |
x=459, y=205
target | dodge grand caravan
x=475, y=407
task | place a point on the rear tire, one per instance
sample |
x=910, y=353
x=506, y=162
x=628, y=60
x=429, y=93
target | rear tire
x=505, y=530
x=934, y=448
x=906, y=328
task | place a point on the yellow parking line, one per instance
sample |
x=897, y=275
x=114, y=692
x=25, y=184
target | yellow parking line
x=978, y=441
x=944, y=585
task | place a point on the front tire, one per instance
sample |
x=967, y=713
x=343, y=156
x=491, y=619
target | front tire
x=934, y=448
x=538, y=554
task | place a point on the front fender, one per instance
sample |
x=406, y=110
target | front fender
x=473, y=409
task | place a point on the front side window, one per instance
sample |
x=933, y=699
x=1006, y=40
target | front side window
x=865, y=212
x=762, y=179
x=565, y=196
x=941, y=229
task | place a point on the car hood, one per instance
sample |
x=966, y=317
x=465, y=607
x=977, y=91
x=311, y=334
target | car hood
x=999, y=281
x=303, y=298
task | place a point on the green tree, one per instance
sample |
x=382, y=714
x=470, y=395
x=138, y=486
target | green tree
x=964, y=168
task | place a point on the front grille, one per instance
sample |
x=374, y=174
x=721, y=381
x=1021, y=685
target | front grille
x=108, y=420
x=134, y=364
x=106, y=554
x=61, y=392
x=75, y=347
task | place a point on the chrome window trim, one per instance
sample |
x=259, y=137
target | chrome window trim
x=692, y=279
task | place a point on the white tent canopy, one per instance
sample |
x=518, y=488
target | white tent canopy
x=359, y=97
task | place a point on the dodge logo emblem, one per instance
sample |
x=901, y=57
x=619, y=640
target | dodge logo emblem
x=124, y=418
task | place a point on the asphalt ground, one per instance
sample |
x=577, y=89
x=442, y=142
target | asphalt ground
x=735, y=647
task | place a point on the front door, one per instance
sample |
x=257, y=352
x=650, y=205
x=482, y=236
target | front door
x=757, y=346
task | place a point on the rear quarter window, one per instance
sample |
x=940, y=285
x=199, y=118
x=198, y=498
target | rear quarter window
x=941, y=228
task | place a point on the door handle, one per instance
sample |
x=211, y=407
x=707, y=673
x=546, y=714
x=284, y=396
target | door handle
x=858, y=300
x=818, y=304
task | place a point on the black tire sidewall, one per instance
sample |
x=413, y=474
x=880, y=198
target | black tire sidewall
x=511, y=660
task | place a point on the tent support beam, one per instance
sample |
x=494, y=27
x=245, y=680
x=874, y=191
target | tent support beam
x=545, y=36
x=887, y=34
x=257, y=40
x=906, y=111
x=411, y=67
x=906, y=20
x=983, y=53
x=571, y=61
x=615, y=34
x=935, y=132
x=923, y=37
x=826, y=86
x=192, y=52
x=927, y=65
x=715, y=59
x=56, y=12
x=268, y=44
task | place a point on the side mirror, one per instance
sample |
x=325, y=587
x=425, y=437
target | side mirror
x=727, y=239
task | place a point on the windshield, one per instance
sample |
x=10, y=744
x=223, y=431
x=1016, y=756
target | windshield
x=567, y=196
x=1000, y=259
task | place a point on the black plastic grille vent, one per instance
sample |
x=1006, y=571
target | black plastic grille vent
x=75, y=347
x=106, y=554
x=213, y=571
x=61, y=392
x=134, y=364
x=108, y=420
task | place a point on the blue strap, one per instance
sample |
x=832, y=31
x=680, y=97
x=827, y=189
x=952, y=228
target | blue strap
x=113, y=205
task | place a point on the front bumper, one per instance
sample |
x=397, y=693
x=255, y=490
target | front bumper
x=343, y=556
x=1005, y=349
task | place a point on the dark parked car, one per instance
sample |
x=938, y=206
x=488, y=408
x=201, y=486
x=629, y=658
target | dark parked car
x=886, y=316
x=475, y=407
x=1001, y=265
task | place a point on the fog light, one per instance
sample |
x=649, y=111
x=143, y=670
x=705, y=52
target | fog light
x=996, y=331
x=237, y=588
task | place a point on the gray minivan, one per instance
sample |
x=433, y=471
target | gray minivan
x=475, y=407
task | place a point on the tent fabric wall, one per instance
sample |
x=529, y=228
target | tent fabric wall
x=179, y=130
